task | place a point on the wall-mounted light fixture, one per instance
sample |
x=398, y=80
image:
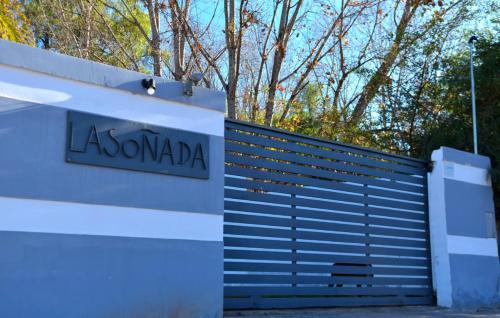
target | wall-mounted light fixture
x=193, y=79
x=149, y=85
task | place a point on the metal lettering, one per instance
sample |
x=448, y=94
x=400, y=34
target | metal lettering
x=97, y=142
x=198, y=155
x=136, y=146
x=183, y=159
x=130, y=142
x=167, y=150
x=115, y=141
x=147, y=144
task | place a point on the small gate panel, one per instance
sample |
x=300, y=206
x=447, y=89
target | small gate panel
x=313, y=223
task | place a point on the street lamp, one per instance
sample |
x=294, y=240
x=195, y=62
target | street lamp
x=474, y=125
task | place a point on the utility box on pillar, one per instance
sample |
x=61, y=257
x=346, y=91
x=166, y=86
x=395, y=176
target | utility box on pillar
x=462, y=228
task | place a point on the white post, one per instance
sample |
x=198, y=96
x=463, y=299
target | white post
x=473, y=90
x=462, y=230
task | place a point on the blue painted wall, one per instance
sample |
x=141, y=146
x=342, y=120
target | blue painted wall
x=475, y=281
x=34, y=139
x=87, y=241
x=57, y=275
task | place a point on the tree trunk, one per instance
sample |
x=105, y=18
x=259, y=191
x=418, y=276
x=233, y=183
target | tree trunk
x=179, y=38
x=285, y=28
x=88, y=27
x=380, y=77
x=154, y=20
x=231, y=44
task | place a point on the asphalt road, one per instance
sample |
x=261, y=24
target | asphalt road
x=369, y=312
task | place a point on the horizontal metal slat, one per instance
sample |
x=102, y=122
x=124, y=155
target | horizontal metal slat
x=319, y=183
x=319, y=193
x=320, y=247
x=247, y=127
x=315, y=225
x=252, y=150
x=305, y=203
x=320, y=236
x=293, y=139
x=310, y=257
x=320, y=173
x=324, y=291
x=322, y=279
x=309, y=268
x=272, y=200
x=328, y=153
x=319, y=215
x=295, y=302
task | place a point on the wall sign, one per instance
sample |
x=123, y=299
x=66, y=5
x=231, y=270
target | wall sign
x=116, y=143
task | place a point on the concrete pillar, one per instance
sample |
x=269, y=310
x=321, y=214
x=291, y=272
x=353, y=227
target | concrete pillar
x=99, y=215
x=464, y=250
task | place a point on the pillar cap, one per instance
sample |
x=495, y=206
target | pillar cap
x=461, y=157
x=90, y=72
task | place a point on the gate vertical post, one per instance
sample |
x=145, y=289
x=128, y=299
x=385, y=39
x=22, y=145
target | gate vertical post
x=464, y=248
x=368, y=266
x=294, y=239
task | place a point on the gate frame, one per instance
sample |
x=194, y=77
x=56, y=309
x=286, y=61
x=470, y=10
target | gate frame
x=367, y=152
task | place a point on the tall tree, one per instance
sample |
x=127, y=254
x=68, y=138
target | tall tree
x=234, y=28
x=262, y=54
x=380, y=75
x=154, y=7
x=92, y=29
x=288, y=18
x=179, y=37
x=14, y=25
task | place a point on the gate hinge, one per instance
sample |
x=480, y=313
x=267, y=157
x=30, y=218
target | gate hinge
x=429, y=166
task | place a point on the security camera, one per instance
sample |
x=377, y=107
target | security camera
x=193, y=79
x=196, y=77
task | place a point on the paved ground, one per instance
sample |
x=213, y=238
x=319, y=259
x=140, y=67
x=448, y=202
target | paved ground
x=369, y=312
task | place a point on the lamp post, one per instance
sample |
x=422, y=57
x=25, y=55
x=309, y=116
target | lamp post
x=474, y=125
